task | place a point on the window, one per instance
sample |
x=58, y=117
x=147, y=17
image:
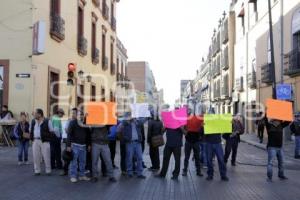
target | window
x=112, y=70
x=93, y=37
x=53, y=95
x=242, y=16
x=296, y=30
x=103, y=49
x=80, y=21
x=112, y=97
x=80, y=95
x=102, y=94
x=93, y=93
x=55, y=7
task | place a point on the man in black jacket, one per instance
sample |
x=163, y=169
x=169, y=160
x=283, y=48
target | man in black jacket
x=260, y=127
x=41, y=133
x=295, y=129
x=274, y=146
x=78, y=141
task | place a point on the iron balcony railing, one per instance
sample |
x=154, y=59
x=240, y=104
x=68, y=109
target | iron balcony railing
x=57, y=27
x=292, y=63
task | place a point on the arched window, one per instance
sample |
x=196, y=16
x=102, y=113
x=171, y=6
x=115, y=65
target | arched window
x=296, y=29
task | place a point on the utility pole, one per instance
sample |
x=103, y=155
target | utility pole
x=272, y=51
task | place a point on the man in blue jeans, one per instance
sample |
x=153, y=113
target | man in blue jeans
x=78, y=140
x=295, y=129
x=275, y=137
x=214, y=147
x=131, y=131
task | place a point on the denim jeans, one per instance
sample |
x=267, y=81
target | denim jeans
x=272, y=153
x=23, y=150
x=79, y=154
x=134, y=149
x=297, y=145
x=215, y=149
x=103, y=150
x=203, y=153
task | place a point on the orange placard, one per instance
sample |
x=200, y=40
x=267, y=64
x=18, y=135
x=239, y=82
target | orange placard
x=281, y=110
x=101, y=113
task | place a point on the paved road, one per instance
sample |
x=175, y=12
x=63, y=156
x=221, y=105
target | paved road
x=246, y=182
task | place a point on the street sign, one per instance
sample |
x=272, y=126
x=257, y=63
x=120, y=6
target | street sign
x=23, y=75
x=284, y=91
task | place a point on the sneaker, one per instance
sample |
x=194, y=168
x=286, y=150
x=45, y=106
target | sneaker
x=63, y=173
x=233, y=164
x=269, y=179
x=112, y=179
x=209, y=178
x=225, y=178
x=124, y=173
x=141, y=176
x=73, y=180
x=282, y=177
x=297, y=156
x=20, y=163
x=84, y=178
x=199, y=174
x=26, y=163
x=184, y=173
x=37, y=174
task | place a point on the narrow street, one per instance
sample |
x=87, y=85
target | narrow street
x=247, y=181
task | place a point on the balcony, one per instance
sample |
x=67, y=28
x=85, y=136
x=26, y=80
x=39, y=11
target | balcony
x=266, y=74
x=82, y=46
x=95, y=56
x=96, y=3
x=225, y=37
x=225, y=63
x=57, y=27
x=292, y=63
x=112, y=68
x=252, y=80
x=104, y=63
x=239, y=84
x=105, y=11
x=113, y=23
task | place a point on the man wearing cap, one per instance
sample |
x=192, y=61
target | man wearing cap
x=55, y=144
x=295, y=129
x=131, y=131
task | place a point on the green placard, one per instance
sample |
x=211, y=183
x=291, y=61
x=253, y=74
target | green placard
x=217, y=123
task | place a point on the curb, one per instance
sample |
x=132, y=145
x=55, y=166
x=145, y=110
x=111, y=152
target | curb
x=258, y=145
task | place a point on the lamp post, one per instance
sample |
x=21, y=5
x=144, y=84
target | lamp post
x=272, y=51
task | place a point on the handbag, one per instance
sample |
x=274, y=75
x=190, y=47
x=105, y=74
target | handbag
x=157, y=141
x=26, y=135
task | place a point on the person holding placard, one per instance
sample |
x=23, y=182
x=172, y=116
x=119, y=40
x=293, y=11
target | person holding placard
x=275, y=139
x=232, y=140
x=131, y=131
x=295, y=129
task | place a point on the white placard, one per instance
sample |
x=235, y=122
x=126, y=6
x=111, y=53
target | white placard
x=140, y=110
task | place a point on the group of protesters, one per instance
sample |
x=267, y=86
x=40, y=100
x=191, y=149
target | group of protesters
x=86, y=145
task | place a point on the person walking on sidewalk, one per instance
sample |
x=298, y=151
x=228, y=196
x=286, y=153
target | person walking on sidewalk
x=78, y=141
x=173, y=146
x=260, y=122
x=99, y=138
x=41, y=133
x=194, y=130
x=275, y=139
x=295, y=129
x=21, y=132
x=155, y=129
x=55, y=144
x=131, y=131
x=232, y=140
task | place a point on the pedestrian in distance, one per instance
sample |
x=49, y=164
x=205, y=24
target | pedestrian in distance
x=21, y=132
x=295, y=129
x=233, y=140
x=131, y=130
x=260, y=122
x=41, y=133
x=78, y=141
x=55, y=144
x=275, y=139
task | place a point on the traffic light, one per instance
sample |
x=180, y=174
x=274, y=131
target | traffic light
x=71, y=73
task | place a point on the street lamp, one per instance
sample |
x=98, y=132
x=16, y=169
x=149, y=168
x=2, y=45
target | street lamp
x=80, y=74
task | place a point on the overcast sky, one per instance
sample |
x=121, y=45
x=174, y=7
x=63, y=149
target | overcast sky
x=172, y=35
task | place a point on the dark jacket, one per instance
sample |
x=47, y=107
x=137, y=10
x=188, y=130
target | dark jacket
x=99, y=135
x=260, y=123
x=275, y=133
x=238, y=129
x=295, y=128
x=193, y=137
x=213, y=138
x=20, y=130
x=126, y=131
x=155, y=127
x=46, y=134
x=78, y=134
x=174, y=137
